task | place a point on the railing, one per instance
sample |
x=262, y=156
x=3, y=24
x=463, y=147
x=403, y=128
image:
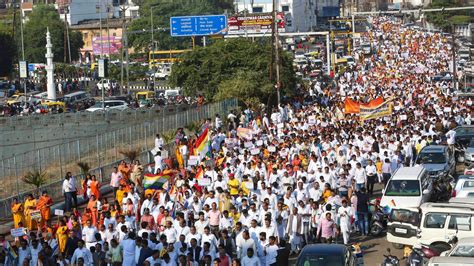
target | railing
x=101, y=152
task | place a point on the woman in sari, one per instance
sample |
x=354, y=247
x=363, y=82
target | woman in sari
x=93, y=207
x=137, y=172
x=61, y=236
x=17, y=210
x=95, y=187
x=29, y=206
x=44, y=206
x=85, y=187
x=124, y=169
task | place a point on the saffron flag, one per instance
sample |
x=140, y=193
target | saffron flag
x=201, y=147
x=151, y=181
x=353, y=107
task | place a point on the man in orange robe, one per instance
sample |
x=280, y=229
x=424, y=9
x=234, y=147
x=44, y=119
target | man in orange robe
x=44, y=206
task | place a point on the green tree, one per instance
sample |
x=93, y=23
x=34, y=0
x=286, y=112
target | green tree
x=237, y=68
x=41, y=18
x=445, y=19
x=7, y=53
x=162, y=11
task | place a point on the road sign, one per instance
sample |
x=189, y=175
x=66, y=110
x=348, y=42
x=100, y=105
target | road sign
x=23, y=69
x=198, y=25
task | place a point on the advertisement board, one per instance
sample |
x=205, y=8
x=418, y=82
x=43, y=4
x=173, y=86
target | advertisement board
x=254, y=23
x=101, y=45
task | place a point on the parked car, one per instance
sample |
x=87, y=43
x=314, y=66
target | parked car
x=451, y=261
x=438, y=160
x=326, y=254
x=469, y=170
x=109, y=105
x=464, y=182
x=464, y=248
x=441, y=222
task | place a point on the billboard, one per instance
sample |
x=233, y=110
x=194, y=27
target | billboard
x=101, y=44
x=254, y=23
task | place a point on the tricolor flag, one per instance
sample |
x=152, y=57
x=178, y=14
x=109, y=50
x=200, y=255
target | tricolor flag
x=201, y=147
x=151, y=181
x=199, y=174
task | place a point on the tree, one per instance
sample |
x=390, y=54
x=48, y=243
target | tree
x=41, y=18
x=236, y=68
x=162, y=11
x=7, y=53
x=445, y=19
x=36, y=178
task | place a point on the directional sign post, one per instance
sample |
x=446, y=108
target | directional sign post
x=198, y=25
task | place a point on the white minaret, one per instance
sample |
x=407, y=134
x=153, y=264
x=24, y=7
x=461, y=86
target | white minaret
x=50, y=68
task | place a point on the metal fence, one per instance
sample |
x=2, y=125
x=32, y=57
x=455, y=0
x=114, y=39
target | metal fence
x=101, y=152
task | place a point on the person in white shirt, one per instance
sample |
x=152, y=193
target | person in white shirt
x=360, y=177
x=344, y=213
x=271, y=251
x=88, y=234
x=250, y=259
x=128, y=246
x=244, y=244
x=158, y=163
x=170, y=233
x=159, y=142
x=24, y=252
x=82, y=253
x=371, y=171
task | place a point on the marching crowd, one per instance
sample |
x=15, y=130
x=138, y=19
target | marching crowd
x=268, y=184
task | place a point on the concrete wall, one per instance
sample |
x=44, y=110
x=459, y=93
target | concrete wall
x=24, y=134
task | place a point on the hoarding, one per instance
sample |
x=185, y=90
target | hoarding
x=255, y=23
x=100, y=45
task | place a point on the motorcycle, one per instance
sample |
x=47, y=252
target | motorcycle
x=390, y=260
x=441, y=190
x=378, y=223
x=420, y=255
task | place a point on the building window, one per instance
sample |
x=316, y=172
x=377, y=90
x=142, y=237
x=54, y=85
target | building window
x=257, y=9
x=114, y=34
x=86, y=35
x=285, y=8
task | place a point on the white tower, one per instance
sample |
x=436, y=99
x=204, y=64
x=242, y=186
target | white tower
x=50, y=68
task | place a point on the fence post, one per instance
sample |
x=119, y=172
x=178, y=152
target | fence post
x=115, y=145
x=79, y=150
x=60, y=161
x=130, y=131
x=98, y=151
x=39, y=160
x=16, y=174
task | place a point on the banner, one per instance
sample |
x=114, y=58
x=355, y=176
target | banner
x=381, y=110
x=255, y=23
x=353, y=107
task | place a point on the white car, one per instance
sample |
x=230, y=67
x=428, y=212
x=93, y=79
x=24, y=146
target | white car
x=109, y=105
x=464, y=187
x=464, y=248
x=469, y=170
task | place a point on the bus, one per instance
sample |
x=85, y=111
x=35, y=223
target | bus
x=165, y=56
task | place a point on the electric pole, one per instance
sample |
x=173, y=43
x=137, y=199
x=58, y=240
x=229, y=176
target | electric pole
x=275, y=48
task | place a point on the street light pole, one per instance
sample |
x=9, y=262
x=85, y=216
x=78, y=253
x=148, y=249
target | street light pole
x=152, y=48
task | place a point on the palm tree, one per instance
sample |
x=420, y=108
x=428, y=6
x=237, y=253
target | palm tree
x=169, y=136
x=85, y=167
x=194, y=127
x=131, y=154
x=35, y=178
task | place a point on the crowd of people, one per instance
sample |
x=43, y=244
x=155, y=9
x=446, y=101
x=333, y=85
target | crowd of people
x=268, y=184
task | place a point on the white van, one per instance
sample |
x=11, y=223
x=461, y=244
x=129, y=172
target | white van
x=75, y=97
x=408, y=187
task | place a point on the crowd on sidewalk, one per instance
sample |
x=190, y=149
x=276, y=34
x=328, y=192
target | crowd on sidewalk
x=265, y=185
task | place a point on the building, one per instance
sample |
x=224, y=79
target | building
x=81, y=10
x=95, y=43
x=300, y=15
